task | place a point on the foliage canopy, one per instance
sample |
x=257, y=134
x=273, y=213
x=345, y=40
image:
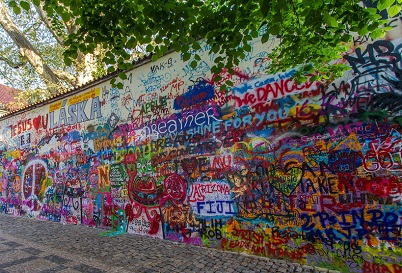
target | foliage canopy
x=313, y=33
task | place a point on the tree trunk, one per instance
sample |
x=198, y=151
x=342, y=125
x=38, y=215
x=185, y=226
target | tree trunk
x=85, y=65
x=29, y=52
x=85, y=68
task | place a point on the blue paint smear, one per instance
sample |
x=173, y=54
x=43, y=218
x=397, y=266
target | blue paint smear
x=198, y=93
x=264, y=133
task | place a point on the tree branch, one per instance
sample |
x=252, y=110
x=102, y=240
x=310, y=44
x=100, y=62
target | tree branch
x=11, y=63
x=63, y=75
x=45, y=19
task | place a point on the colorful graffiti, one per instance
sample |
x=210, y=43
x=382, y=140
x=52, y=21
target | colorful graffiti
x=307, y=172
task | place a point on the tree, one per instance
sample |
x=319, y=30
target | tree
x=312, y=33
x=31, y=53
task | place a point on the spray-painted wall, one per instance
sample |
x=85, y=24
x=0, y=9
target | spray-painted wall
x=309, y=172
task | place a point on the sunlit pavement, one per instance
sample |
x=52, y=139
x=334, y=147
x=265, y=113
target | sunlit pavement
x=29, y=245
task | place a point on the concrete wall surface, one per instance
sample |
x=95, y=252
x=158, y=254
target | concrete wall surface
x=308, y=172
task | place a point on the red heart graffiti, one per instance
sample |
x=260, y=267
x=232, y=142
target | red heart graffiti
x=36, y=122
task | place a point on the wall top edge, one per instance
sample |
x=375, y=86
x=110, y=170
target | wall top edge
x=109, y=76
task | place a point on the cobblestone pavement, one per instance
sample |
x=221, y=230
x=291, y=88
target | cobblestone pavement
x=29, y=245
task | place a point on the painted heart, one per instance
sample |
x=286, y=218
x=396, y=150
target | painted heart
x=285, y=182
x=36, y=123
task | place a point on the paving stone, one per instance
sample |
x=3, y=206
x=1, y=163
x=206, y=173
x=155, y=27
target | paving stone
x=12, y=244
x=17, y=261
x=54, y=269
x=56, y=259
x=32, y=250
x=87, y=269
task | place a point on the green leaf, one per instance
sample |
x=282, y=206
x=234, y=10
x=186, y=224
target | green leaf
x=36, y=2
x=108, y=60
x=247, y=47
x=394, y=10
x=378, y=33
x=218, y=59
x=110, y=69
x=185, y=48
x=196, y=46
x=25, y=5
x=384, y=4
x=128, y=65
x=59, y=9
x=12, y=4
x=193, y=64
x=120, y=64
x=120, y=85
x=265, y=38
x=123, y=76
x=236, y=61
x=158, y=39
x=363, y=31
x=149, y=48
x=229, y=82
x=65, y=17
x=215, y=48
x=332, y=22
x=308, y=2
x=186, y=56
x=131, y=43
x=278, y=17
x=314, y=40
x=308, y=68
x=175, y=46
x=67, y=61
x=164, y=49
x=217, y=78
x=215, y=69
x=264, y=7
x=372, y=27
x=17, y=10
x=301, y=79
x=346, y=38
x=274, y=29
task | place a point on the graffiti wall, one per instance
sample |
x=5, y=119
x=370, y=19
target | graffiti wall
x=307, y=172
